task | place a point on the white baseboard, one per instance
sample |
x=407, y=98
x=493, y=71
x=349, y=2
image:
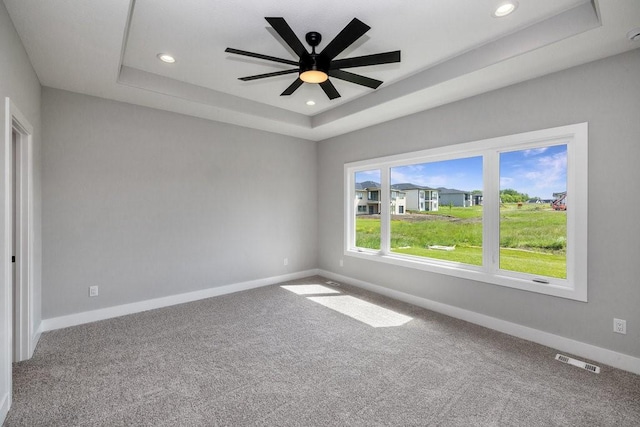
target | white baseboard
x=578, y=348
x=137, y=307
x=4, y=407
x=34, y=339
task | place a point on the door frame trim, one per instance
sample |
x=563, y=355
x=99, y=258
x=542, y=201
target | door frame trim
x=25, y=339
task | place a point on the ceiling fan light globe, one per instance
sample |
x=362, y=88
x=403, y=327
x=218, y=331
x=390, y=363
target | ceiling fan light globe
x=313, y=76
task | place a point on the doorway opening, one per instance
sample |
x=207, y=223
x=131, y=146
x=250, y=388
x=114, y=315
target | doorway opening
x=20, y=232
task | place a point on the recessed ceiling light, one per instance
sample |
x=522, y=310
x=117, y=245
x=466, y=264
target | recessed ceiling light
x=505, y=9
x=311, y=102
x=164, y=57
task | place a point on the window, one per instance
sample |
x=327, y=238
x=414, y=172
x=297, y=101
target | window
x=511, y=211
x=453, y=233
x=367, y=228
x=533, y=237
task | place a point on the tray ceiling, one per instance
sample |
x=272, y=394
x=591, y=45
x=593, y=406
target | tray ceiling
x=450, y=50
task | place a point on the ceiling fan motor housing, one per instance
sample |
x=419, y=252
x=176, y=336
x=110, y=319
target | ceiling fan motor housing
x=314, y=61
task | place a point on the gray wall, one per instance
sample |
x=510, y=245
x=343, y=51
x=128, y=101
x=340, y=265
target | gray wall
x=147, y=204
x=606, y=94
x=19, y=82
x=456, y=199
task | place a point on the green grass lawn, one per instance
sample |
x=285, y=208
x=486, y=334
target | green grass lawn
x=367, y=232
x=532, y=237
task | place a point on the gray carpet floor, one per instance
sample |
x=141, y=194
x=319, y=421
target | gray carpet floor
x=269, y=356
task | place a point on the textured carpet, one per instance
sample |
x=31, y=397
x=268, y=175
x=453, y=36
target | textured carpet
x=269, y=356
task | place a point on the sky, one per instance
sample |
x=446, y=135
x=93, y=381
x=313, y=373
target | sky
x=461, y=174
x=538, y=172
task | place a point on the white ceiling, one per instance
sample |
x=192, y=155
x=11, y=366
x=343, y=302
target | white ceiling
x=450, y=50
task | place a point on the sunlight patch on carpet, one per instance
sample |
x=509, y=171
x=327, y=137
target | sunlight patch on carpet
x=309, y=289
x=371, y=314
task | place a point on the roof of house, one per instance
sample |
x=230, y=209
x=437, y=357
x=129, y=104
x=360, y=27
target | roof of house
x=366, y=185
x=408, y=186
x=372, y=185
x=443, y=190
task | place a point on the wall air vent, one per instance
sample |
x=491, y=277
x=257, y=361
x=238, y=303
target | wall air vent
x=579, y=363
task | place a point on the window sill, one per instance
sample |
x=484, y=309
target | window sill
x=469, y=272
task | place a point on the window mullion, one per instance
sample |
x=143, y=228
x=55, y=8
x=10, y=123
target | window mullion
x=385, y=215
x=491, y=212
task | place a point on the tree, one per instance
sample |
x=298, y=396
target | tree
x=509, y=195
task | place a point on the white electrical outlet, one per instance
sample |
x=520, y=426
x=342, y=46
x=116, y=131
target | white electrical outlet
x=93, y=291
x=286, y=261
x=619, y=326
x=341, y=262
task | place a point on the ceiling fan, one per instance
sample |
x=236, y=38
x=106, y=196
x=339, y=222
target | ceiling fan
x=317, y=67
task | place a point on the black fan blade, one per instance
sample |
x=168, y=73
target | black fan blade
x=262, y=76
x=355, y=78
x=260, y=56
x=329, y=89
x=294, y=86
x=287, y=34
x=362, y=61
x=349, y=34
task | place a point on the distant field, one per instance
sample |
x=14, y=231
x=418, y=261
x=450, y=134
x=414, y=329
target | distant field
x=532, y=237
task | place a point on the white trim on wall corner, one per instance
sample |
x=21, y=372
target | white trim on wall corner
x=137, y=307
x=4, y=407
x=578, y=348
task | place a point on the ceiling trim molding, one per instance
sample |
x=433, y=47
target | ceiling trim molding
x=178, y=89
x=405, y=96
x=574, y=21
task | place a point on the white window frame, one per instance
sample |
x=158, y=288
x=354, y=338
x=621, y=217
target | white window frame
x=575, y=137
